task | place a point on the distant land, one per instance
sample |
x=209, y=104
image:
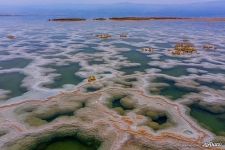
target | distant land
x=137, y=19
x=199, y=9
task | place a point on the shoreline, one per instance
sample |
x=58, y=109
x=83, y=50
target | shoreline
x=214, y=19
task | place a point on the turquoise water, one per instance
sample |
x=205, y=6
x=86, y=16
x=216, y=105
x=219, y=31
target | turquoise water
x=135, y=56
x=14, y=63
x=214, y=122
x=212, y=84
x=68, y=143
x=69, y=48
x=13, y=83
x=176, y=71
x=172, y=91
x=66, y=75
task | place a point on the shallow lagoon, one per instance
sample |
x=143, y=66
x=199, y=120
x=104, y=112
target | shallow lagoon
x=68, y=143
x=171, y=90
x=43, y=42
x=66, y=75
x=215, y=122
x=12, y=82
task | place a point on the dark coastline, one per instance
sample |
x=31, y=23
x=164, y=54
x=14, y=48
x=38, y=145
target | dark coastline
x=140, y=19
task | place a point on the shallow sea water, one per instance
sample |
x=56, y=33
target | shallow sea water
x=50, y=56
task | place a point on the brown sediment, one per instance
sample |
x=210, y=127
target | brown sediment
x=100, y=19
x=11, y=37
x=67, y=19
x=167, y=19
x=143, y=18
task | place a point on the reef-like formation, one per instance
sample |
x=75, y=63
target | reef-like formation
x=209, y=47
x=147, y=49
x=11, y=37
x=106, y=119
x=103, y=36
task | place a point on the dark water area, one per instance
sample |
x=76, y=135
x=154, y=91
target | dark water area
x=66, y=75
x=68, y=143
x=172, y=91
x=214, y=122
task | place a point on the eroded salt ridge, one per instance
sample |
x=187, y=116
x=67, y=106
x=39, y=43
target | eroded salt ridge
x=117, y=63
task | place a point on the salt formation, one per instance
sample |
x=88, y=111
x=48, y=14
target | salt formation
x=103, y=36
x=183, y=48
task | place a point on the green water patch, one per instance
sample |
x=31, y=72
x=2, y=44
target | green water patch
x=124, y=45
x=209, y=70
x=175, y=71
x=12, y=82
x=163, y=45
x=135, y=57
x=14, y=63
x=210, y=61
x=57, y=56
x=212, y=84
x=121, y=103
x=66, y=75
x=59, y=37
x=96, y=62
x=3, y=132
x=36, y=47
x=4, y=53
x=125, y=84
x=164, y=58
x=67, y=141
x=50, y=118
x=179, y=70
x=156, y=119
x=134, y=40
x=131, y=70
x=36, y=115
x=214, y=122
x=214, y=70
x=92, y=89
x=131, y=79
x=47, y=116
x=171, y=91
x=88, y=49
